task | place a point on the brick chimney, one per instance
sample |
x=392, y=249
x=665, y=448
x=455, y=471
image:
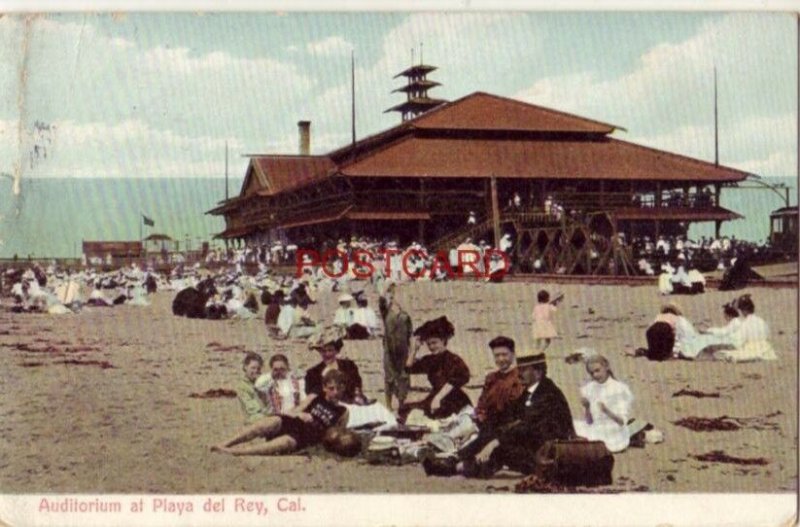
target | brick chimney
x=304, y=127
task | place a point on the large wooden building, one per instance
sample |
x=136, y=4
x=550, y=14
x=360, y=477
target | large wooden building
x=510, y=163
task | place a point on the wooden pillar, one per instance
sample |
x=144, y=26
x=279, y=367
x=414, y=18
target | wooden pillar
x=495, y=211
x=657, y=197
x=421, y=205
x=717, y=225
x=717, y=191
x=602, y=193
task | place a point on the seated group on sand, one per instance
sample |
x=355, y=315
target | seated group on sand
x=744, y=337
x=519, y=409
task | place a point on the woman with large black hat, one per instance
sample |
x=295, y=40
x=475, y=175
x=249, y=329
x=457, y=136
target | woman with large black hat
x=446, y=371
x=329, y=343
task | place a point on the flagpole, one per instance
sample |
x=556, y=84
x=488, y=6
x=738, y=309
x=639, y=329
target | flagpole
x=716, y=121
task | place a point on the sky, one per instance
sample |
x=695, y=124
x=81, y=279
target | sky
x=159, y=95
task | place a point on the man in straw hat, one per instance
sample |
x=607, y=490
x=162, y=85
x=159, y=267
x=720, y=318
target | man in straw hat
x=540, y=414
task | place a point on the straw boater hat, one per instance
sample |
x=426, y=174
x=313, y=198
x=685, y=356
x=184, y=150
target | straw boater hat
x=345, y=298
x=436, y=328
x=327, y=336
x=675, y=307
x=531, y=360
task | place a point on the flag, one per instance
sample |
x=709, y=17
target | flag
x=147, y=221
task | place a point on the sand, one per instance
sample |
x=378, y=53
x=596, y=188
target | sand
x=133, y=427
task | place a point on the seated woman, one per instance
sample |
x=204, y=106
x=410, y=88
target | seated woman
x=446, y=372
x=294, y=321
x=329, y=344
x=365, y=317
x=252, y=404
x=607, y=405
x=282, y=389
x=302, y=427
x=751, y=338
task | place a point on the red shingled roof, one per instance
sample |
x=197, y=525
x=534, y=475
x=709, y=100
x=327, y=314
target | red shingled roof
x=484, y=111
x=275, y=174
x=605, y=158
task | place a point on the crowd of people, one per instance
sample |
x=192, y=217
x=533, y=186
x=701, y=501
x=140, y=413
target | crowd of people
x=518, y=410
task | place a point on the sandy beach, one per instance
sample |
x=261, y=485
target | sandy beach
x=100, y=402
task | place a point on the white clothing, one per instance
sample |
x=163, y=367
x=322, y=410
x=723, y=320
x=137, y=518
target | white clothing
x=696, y=277
x=681, y=277
x=684, y=332
x=728, y=329
x=617, y=397
x=285, y=319
x=343, y=317
x=367, y=318
x=360, y=415
x=665, y=283
x=288, y=390
x=751, y=339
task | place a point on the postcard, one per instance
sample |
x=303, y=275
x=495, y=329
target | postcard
x=398, y=267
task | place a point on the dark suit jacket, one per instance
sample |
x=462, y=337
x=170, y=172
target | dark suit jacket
x=346, y=366
x=547, y=417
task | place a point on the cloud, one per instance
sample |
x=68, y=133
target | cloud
x=666, y=99
x=115, y=150
x=334, y=45
x=761, y=145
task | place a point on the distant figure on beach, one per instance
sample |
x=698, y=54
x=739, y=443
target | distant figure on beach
x=273, y=308
x=751, y=338
x=294, y=320
x=365, y=317
x=298, y=429
x=544, y=329
x=606, y=406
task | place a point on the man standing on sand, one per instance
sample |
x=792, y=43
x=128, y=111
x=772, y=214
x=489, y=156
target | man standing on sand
x=396, y=342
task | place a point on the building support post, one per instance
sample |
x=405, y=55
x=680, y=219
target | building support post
x=495, y=211
x=717, y=225
x=602, y=194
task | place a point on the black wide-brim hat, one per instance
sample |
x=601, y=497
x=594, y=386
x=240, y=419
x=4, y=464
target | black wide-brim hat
x=436, y=328
x=531, y=360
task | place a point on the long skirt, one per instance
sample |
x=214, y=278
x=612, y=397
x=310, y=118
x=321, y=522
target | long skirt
x=660, y=341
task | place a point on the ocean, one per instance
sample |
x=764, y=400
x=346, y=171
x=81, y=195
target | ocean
x=51, y=217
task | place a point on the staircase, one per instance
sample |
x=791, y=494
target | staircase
x=453, y=239
x=484, y=225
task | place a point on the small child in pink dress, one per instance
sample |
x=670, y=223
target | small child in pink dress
x=543, y=328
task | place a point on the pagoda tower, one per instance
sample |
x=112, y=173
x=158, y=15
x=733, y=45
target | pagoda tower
x=416, y=90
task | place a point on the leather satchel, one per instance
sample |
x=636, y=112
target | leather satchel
x=574, y=463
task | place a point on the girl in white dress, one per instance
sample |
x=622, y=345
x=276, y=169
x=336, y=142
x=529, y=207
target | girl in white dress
x=607, y=404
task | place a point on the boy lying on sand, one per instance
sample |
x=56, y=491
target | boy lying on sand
x=302, y=427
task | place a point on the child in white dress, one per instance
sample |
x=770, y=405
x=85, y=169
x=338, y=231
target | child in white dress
x=607, y=405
